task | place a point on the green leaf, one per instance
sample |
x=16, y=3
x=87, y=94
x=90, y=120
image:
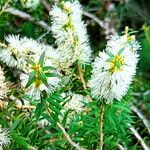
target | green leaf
x=108, y=139
x=14, y=125
x=56, y=97
x=41, y=60
x=54, y=109
x=20, y=140
x=52, y=75
x=56, y=104
x=51, y=135
x=110, y=59
x=32, y=78
x=55, y=117
x=48, y=118
x=109, y=53
x=65, y=117
x=43, y=78
x=74, y=128
x=40, y=108
x=45, y=68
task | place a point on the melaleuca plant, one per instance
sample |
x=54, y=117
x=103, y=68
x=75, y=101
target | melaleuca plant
x=64, y=96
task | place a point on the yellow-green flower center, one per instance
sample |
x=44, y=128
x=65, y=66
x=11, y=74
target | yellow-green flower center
x=37, y=68
x=116, y=63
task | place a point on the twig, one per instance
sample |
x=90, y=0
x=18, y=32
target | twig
x=101, y=121
x=42, y=36
x=96, y=19
x=68, y=138
x=28, y=17
x=142, y=117
x=25, y=107
x=105, y=24
x=81, y=77
x=137, y=135
x=46, y=5
x=4, y=104
x=21, y=106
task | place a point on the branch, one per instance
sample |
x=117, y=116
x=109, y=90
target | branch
x=142, y=117
x=20, y=106
x=96, y=19
x=25, y=107
x=137, y=135
x=46, y=5
x=4, y=104
x=105, y=24
x=42, y=36
x=68, y=138
x=28, y=17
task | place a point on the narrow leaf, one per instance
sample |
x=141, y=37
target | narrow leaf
x=14, y=125
x=40, y=108
x=56, y=104
x=43, y=78
x=45, y=68
x=41, y=60
x=32, y=78
x=52, y=75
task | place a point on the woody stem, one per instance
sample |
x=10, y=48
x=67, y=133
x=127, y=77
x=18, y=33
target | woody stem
x=101, y=122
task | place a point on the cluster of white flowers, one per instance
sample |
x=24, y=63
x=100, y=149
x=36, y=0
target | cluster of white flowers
x=19, y=51
x=114, y=68
x=4, y=138
x=30, y=3
x=3, y=85
x=70, y=33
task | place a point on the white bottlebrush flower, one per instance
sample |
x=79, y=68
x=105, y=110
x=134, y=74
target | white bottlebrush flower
x=19, y=50
x=70, y=33
x=114, y=68
x=3, y=85
x=30, y=3
x=4, y=138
